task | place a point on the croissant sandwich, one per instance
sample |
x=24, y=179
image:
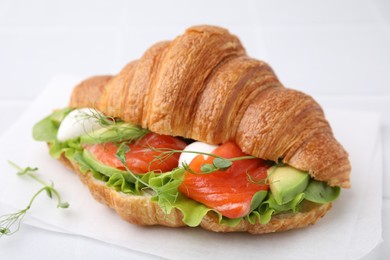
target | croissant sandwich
x=196, y=133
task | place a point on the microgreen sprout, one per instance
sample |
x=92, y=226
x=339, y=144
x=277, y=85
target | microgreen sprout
x=167, y=195
x=123, y=149
x=270, y=172
x=99, y=117
x=10, y=223
x=258, y=181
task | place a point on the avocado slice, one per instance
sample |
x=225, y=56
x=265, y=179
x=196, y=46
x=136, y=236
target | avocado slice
x=114, y=133
x=104, y=169
x=286, y=183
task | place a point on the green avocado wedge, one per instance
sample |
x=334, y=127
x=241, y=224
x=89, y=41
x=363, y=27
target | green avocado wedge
x=104, y=169
x=117, y=133
x=286, y=183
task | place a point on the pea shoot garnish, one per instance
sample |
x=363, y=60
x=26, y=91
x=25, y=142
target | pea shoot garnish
x=10, y=223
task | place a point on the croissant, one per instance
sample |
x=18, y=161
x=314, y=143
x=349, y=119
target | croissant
x=203, y=86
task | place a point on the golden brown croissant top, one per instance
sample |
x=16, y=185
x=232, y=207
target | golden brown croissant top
x=203, y=86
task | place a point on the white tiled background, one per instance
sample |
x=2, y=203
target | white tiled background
x=337, y=51
x=321, y=47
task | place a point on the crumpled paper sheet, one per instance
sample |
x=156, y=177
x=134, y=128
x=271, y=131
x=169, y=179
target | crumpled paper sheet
x=350, y=230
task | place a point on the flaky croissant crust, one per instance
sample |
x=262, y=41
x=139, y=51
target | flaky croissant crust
x=203, y=86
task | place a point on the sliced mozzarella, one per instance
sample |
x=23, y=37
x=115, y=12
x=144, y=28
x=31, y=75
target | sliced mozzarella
x=79, y=122
x=195, y=147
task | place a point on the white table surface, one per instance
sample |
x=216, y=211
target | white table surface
x=337, y=51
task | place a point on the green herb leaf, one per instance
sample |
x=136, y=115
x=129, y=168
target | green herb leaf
x=48, y=192
x=222, y=163
x=208, y=168
x=320, y=192
x=4, y=231
x=63, y=205
x=121, y=152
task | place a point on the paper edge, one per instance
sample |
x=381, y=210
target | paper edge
x=377, y=160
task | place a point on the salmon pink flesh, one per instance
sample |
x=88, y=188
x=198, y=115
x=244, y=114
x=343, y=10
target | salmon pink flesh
x=142, y=155
x=230, y=192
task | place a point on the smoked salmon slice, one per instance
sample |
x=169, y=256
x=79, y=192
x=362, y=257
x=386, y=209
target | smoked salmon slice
x=230, y=192
x=142, y=157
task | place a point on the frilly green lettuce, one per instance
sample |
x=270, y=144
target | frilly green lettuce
x=46, y=129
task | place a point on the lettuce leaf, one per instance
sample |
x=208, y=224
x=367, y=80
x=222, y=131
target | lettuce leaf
x=320, y=192
x=269, y=207
x=271, y=203
x=119, y=183
x=193, y=211
x=68, y=148
x=263, y=217
x=46, y=129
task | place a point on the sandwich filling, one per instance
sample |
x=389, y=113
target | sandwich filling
x=175, y=172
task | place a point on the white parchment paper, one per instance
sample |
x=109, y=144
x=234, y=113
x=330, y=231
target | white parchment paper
x=350, y=230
